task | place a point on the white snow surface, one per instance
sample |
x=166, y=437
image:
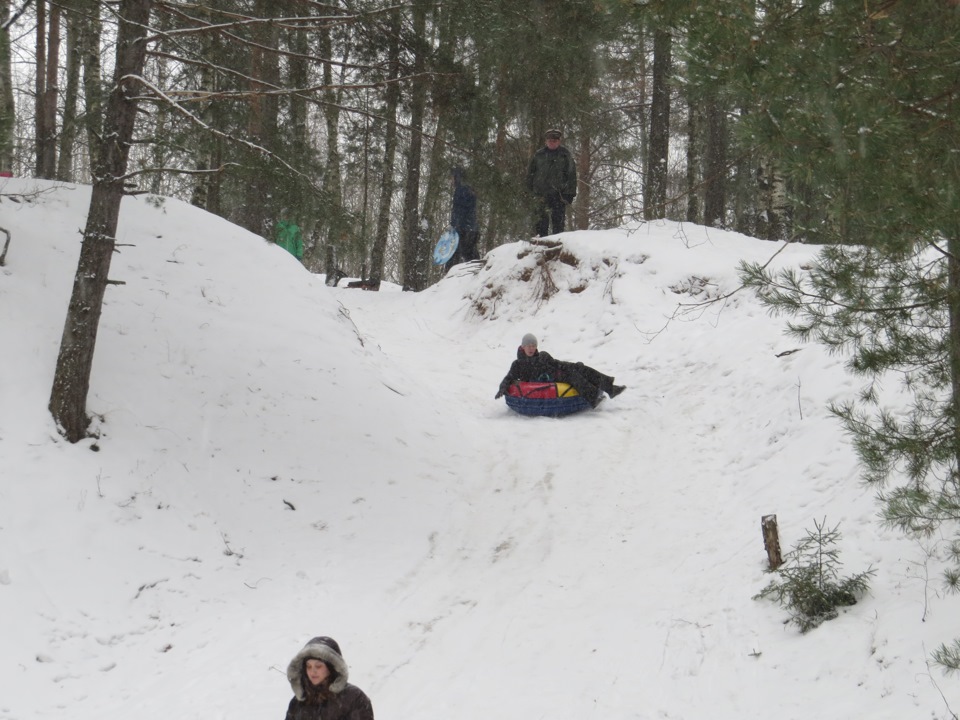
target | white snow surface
x=278, y=459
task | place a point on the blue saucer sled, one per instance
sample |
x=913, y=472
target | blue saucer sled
x=446, y=246
x=544, y=399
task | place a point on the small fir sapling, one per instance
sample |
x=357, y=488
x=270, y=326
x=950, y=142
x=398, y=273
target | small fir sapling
x=809, y=585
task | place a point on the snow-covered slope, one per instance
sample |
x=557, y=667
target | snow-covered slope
x=278, y=459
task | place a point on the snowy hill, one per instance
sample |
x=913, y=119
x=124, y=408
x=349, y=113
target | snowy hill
x=278, y=459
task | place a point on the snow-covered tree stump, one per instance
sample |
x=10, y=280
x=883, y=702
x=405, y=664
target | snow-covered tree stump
x=771, y=540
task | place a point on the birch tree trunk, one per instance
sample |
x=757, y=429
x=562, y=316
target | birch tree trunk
x=771, y=225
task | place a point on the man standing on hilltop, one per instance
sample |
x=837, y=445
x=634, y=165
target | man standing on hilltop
x=552, y=179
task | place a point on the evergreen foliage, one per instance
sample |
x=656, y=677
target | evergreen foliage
x=948, y=656
x=858, y=102
x=809, y=584
x=864, y=119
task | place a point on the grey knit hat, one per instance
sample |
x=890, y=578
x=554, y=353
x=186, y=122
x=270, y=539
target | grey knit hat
x=529, y=339
x=319, y=648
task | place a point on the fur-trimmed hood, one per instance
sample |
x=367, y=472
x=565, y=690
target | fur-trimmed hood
x=319, y=648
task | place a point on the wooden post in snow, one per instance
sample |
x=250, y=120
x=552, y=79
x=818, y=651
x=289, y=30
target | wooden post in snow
x=771, y=540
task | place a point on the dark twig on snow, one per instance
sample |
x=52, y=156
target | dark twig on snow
x=254, y=586
x=798, y=400
x=6, y=245
x=229, y=551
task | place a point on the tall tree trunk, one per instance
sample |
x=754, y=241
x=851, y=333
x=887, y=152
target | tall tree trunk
x=7, y=107
x=496, y=226
x=89, y=11
x=47, y=143
x=438, y=176
x=68, y=132
x=953, y=295
x=581, y=213
x=437, y=196
x=780, y=207
x=160, y=150
x=714, y=205
x=392, y=100
x=771, y=225
x=71, y=382
x=693, y=163
x=298, y=78
x=337, y=226
x=432, y=217
x=41, y=132
x=655, y=185
x=413, y=274
x=262, y=120
x=208, y=183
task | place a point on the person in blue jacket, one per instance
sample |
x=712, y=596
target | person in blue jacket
x=463, y=219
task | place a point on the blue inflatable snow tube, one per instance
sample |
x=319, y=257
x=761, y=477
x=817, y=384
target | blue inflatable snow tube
x=546, y=407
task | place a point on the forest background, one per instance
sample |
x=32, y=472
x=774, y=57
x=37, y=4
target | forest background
x=346, y=117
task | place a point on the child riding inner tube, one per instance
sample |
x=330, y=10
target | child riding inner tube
x=549, y=399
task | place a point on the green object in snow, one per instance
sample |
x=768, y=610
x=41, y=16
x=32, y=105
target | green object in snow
x=290, y=238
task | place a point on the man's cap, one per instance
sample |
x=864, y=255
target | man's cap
x=553, y=134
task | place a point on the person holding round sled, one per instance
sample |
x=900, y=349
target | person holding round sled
x=318, y=675
x=534, y=365
x=463, y=219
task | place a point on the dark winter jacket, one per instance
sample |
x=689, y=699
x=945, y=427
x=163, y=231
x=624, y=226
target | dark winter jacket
x=463, y=215
x=553, y=172
x=542, y=366
x=539, y=366
x=344, y=701
x=349, y=704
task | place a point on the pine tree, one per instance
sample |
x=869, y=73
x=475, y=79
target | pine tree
x=859, y=105
x=809, y=584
